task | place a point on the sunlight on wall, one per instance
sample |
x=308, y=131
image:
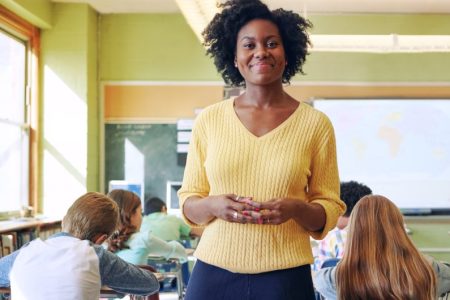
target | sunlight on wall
x=65, y=145
x=134, y=165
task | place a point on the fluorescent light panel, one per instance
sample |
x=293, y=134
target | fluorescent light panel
x=198, y=14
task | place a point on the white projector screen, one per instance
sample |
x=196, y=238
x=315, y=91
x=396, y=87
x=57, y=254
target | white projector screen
x=400, y=148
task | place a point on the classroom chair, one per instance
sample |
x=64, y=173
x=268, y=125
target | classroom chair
x=331, y=262
x=171, y=270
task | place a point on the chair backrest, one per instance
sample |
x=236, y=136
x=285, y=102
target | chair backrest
x=331, y=262
x=169, y=268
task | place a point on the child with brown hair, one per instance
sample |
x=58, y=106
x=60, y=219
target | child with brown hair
x=134, y=245
x=72, y=264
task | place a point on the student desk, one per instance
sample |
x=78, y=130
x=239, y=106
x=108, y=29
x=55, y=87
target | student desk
x=105, y=293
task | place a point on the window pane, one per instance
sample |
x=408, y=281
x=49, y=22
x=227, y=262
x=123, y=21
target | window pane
x=14, y=144
x=13, y=167
x=12, y=78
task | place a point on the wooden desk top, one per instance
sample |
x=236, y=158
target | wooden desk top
x=24, y=223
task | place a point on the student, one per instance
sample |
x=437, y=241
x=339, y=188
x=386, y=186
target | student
x=133, y=244
x=72, y=264
x=380, y=261
x=332, y=246
x=261, y=173
x=166, y=227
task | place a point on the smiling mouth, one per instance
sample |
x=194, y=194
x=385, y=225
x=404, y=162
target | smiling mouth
x=262, y=65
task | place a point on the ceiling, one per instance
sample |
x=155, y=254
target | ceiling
x=303, y=6
x=198, y=13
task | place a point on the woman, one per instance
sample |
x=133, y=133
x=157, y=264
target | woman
x=380, y=261
x=261, y=174
x=133, y=245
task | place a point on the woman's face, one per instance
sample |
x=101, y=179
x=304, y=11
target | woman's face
x=260, y=53
x=136, y=217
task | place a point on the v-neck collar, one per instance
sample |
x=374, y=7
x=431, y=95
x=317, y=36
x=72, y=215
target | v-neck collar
x=271, y=132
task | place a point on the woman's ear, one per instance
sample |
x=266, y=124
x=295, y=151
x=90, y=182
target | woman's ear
x=99, y=239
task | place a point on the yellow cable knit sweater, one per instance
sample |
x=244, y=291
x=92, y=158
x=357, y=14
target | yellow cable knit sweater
x=296, y=160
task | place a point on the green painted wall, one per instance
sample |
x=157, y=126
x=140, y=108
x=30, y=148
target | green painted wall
x=70, y=115
x=158, y=47
x=93, y=161
x=163, y=47
x=370, y=67
x=37, y=12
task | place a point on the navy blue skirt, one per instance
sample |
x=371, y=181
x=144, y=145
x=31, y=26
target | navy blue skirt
x=208, y=282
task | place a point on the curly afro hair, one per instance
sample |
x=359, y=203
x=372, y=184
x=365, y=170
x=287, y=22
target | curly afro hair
x=351, y=192
x=220, y=37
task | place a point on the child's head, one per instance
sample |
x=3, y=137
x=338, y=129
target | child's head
x=351, y=192
x=93, y=216
x=377, y=217
x=130, y=217
x=154, y=205
x=380, y=257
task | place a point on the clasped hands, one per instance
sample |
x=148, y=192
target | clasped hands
x=243, y=209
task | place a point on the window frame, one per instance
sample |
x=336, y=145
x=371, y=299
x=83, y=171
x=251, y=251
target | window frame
x=30, y=35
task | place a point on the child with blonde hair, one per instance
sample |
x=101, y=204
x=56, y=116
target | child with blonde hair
x=380, y=261
x=72, y=264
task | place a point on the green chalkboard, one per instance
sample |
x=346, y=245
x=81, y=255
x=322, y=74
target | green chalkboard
x=146, y=150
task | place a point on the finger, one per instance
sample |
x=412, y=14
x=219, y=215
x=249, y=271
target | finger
x=268, y=221
x=267, y=217
x=252, y=217
x=234, y=216
x=248, y=207
x=242, y=199
x=252, y=214
x=240, y=218
x=249, y=201
x=233, y=197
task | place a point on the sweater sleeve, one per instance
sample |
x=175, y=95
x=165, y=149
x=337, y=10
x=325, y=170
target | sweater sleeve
x=324, y=187
x=195, y=182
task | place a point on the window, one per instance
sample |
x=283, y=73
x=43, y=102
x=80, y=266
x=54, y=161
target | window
x=18, y=48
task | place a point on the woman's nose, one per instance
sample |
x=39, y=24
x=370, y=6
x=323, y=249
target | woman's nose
x=261, y=52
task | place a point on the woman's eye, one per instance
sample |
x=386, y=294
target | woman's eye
x=272, y=44
x=249, y=46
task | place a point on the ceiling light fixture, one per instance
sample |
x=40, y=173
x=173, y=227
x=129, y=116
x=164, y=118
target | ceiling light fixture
x=198, y=13
x=392, y=43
